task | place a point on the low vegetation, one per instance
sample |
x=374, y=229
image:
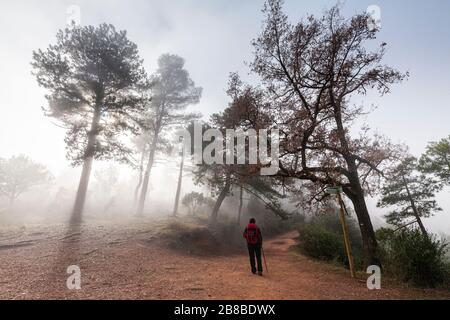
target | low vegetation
x=412, y=257
x=190, y=238
x=406, y=255
x=322, y=238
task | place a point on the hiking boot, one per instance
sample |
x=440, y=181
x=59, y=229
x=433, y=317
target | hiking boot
x=254, y=272
x=260, y=273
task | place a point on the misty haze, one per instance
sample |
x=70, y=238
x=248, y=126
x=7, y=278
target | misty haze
x=130, y=167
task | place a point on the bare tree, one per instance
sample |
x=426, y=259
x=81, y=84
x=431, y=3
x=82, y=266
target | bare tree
x=312, y=69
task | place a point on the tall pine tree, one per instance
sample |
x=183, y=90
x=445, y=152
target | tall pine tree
x=94, y=77
x=411, y=192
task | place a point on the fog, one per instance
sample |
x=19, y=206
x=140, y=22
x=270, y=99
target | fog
x=214, y=39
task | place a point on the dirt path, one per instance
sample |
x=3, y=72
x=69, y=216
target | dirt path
x=124, y=264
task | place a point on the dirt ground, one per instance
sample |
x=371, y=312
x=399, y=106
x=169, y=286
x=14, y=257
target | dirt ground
x=126, y=262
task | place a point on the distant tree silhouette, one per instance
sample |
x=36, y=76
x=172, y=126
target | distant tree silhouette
x=172, y=92
x=193, y=201
x=19, y=174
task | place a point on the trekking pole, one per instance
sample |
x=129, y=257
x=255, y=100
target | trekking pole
x=264, y=256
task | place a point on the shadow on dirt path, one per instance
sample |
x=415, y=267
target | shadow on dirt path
x=121, y=263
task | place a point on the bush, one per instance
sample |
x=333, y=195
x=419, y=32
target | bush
x=332, y=223
x=410, y=256
x=320, y=243
x=322, y=238
x=190, y=238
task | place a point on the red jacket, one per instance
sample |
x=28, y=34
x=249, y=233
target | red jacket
x=253, y=235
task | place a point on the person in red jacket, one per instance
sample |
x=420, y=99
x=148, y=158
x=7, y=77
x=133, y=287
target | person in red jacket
x=253, y=235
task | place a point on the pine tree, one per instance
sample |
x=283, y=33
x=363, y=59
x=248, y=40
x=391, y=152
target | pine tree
x=436, y=160
x=94, y=77
x=172, y=92
x=411, y=192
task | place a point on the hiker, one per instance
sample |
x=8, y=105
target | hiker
x=253, y=235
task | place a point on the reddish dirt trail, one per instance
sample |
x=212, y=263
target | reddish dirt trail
x=124, y=264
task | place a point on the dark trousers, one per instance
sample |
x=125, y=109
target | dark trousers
x=255, y=250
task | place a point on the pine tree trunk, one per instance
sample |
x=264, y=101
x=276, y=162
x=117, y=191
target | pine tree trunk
x=223, y=194
x=421, y=226
x=141, y=173
x=80, y=199
x=144, y=189
x=180, y=179
x=414, y=208
x=240, y=206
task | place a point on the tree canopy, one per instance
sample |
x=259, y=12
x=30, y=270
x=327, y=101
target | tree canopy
x=93, y=76
x=172, y=92
x=436, y=160
x=95, y=79
x=311, y=70
x=411, y=192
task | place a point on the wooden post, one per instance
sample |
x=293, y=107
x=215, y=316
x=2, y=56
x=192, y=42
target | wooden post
x=348, y=247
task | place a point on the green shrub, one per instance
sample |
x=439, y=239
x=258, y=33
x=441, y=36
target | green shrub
x=332, y=223
x=322, y=238
x=318, y=242
x=412, y=257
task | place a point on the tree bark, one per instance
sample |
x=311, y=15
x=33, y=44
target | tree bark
x=80, y=199
x=180, y=179
x=151, y=158
x=356, y=195
x=414, y=208
x=138, y=186
x=222, y=196
x=356, y=192
x=241, y=193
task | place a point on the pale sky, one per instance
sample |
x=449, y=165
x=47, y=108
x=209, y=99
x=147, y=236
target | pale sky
x=214, y=37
